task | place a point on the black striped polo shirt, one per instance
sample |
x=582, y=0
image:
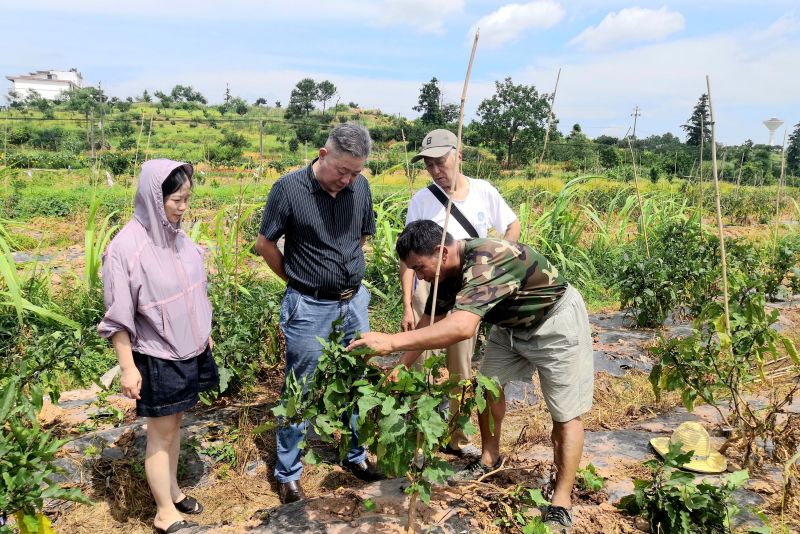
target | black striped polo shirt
x=323, y=233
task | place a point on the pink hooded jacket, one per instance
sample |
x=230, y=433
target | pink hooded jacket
x=154, y=277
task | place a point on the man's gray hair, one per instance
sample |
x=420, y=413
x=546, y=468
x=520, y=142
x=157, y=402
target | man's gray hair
x=350, y=137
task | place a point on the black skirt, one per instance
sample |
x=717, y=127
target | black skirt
x=172, y=386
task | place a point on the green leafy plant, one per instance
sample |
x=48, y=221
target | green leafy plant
x=96, y=238
x=515, y=512
x=26, y=458
x=681, y=269
x=672, y=502
x=397, y=420
x=105, y=411
x=712, y=366
x=588, y=478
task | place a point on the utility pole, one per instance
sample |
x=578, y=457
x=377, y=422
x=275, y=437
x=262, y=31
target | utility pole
x=635, y=116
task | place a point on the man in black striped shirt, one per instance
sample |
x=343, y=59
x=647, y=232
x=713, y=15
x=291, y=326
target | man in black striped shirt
x=325, y=213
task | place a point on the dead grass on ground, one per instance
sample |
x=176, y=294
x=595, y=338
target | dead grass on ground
x=618, y=403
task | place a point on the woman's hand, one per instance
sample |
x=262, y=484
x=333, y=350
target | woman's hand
x=210, y=343
x=131, y=382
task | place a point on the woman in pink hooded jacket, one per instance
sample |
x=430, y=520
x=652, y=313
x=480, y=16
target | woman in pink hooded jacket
x=158, y=318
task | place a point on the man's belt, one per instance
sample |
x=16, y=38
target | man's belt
x=321, y=293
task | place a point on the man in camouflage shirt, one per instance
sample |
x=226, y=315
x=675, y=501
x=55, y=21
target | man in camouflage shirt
x=540, y=323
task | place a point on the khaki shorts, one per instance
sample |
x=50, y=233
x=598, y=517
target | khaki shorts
x=560, y=348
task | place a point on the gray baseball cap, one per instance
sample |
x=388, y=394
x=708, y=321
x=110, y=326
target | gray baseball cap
x=436, y=144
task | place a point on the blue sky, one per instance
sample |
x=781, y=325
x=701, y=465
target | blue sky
x=614, y=55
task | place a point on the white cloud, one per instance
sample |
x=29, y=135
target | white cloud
x=512, y=20
x=424, y=15
x=750, y=82
x=631, y=25
x=787, y=25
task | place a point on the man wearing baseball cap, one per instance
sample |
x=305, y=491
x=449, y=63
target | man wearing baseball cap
x=477, y=207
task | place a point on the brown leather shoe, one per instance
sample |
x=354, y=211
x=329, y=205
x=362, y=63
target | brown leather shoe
x=364, y=470
x=290, y=491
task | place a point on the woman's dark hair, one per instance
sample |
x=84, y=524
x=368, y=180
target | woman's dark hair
x=421, y=237
x=175, y=181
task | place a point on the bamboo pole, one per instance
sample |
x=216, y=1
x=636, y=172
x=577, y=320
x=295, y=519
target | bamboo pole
x=456, y=171
x=778, y=199
x=147, y=146
x=408, y=165
x=639, y=199
x=135, y=162
x=412, y=503
x=719, y=212
x=700, y=174
x=544, y=151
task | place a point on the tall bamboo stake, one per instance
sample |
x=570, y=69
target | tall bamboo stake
x=741, y=168
x=456, y=172
x=149, y=132
x=639, y=199
x=778, y=199
x=408, y=165
x=544, y=150
x=719, y=212
x=700, y=179
x=135, y=162
x=412, y=503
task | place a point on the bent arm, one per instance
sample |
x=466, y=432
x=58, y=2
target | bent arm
x=455, y=327
x=513, y=231
x=272, y=255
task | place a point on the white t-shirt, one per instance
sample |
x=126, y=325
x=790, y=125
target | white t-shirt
x=483, y=207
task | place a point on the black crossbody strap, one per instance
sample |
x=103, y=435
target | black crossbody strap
x=454, y=211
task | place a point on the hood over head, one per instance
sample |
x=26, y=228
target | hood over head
x=149, y=202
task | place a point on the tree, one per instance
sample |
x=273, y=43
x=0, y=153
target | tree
x=260, y=101
x=185, y=93
x=610, y=157
x=164, y=100
x=512, y=121
x=84, y=99
x=146, y=96
x=306, y=132
x=793, y=151
x=699, y=125
x=606, y=140
x=34, y=100
x=430, y=103
x=325, y=91
x=666, y=142
x=15, y=100
x=302, y=98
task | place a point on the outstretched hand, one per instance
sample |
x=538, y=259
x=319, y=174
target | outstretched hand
x=380, y=344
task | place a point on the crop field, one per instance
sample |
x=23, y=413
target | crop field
x=641, y=244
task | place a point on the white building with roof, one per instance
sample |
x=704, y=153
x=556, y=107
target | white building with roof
x=48, y=83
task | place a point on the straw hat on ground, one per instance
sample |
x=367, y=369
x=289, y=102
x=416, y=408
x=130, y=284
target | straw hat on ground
x=693, y=437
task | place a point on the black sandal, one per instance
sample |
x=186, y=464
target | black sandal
x=175, y=527
x=189, y=506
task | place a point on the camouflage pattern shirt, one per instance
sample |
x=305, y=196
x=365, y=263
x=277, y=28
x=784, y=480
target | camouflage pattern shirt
x=507, y=284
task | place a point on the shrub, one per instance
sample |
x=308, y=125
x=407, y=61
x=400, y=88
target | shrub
x=682, y=268
x=672, y=502
x=716, y=366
